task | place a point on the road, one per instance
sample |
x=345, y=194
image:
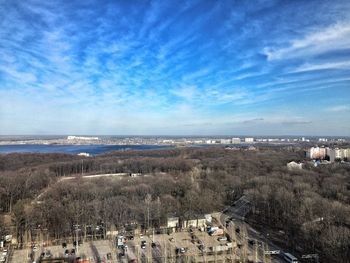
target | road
x=235, y=215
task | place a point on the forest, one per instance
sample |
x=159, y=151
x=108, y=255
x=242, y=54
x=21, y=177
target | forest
x=310, y=206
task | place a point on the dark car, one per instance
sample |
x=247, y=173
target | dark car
x=181, y=250
x=79, y=243
x=251, y=242
x=125, y=248
x=64, y=245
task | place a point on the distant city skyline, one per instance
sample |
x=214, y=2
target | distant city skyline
x=169, y=68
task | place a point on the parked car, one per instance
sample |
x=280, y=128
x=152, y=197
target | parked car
x=143, y=244
x=125, y=248
x=251, y=242
x=222, y=238
x=181, y=250
x=48, y=254
x=79, y=243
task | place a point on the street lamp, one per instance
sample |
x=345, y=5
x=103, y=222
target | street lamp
x=76, y=229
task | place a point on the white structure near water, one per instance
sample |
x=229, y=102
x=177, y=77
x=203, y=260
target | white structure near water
x=81, y=138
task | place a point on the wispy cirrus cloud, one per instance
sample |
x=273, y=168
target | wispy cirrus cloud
x=338, y=108
x=321, y=40
x=323, y=66
x=71, y=64
x=252, y=121
x=296, y=122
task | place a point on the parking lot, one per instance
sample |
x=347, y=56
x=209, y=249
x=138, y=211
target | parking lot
x=189, y=245
x=94, y=251
x=193, y=245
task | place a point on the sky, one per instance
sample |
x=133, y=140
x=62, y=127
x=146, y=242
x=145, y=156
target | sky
x=171, y=67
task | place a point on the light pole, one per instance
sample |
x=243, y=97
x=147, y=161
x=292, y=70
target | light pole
x=76, y=229
x=148, y=200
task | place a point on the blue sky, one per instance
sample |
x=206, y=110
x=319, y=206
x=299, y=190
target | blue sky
x=175, y=67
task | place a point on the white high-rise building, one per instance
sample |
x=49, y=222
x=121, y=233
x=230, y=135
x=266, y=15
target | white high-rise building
x=225, y=141
x=236, y=140
x=249, y=140
x=317, y=152
x=342, y=153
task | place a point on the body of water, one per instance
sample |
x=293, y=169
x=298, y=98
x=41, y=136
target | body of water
x=74, y=149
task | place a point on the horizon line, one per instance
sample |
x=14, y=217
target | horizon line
x=176, y=135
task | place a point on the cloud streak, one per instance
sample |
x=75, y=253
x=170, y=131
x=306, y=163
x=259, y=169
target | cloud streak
x=332, y=38
x=339, y=108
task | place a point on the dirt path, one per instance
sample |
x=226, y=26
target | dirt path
x=66, y=178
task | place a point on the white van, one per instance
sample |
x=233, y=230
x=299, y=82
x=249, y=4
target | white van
x=290, y=258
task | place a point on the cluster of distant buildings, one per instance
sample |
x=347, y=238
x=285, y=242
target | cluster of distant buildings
x=242, y=140
x=82, y=138
x=193, y=140
x=167, y=140
x=322, y=155
x=227, y=141
x=327, y=153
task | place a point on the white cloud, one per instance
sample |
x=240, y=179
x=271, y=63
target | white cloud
x=23, y=77
x=338, y=108
x=187, y=92
x=321, y=66
x=335, y=37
